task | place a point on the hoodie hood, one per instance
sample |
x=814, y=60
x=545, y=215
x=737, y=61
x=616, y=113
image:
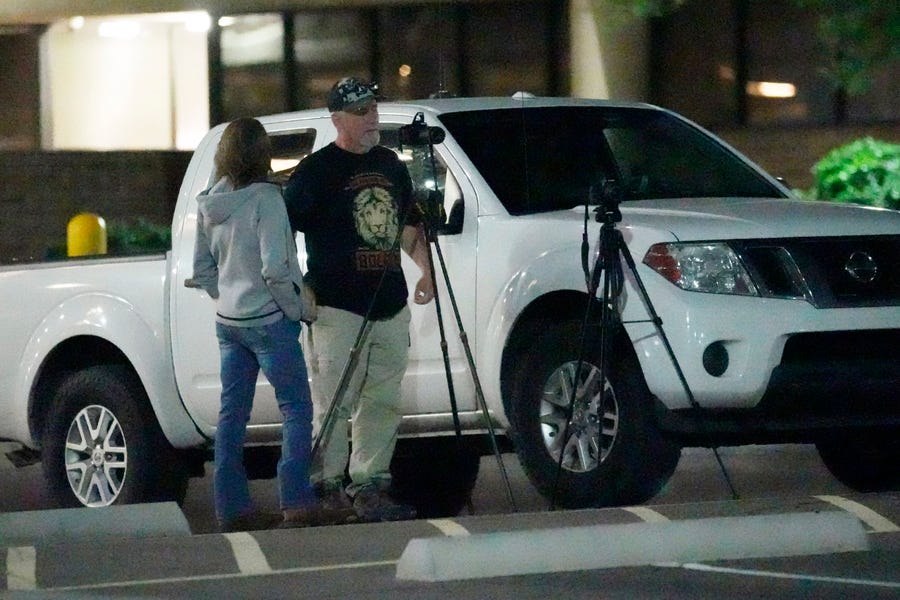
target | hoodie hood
x=221, y=201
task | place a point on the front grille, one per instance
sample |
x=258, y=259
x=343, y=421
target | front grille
x=834, y=272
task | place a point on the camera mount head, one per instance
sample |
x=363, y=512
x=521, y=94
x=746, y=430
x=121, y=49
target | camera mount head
x=607, y=194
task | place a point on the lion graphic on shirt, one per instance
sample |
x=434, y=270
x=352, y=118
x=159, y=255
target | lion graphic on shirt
x=376, y=218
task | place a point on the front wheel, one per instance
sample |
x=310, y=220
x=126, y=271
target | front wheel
x=611, y=452
x=102, y=444
x=865, y=463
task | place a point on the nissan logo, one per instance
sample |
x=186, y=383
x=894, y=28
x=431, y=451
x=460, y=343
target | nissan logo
x=861, y=267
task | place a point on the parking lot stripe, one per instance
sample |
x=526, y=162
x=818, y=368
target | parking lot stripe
x=449, y=527
x=20, y=568
x=876, y=522
x=248, y=554
x=647, y=515
x=220, y=576
x=799, y=576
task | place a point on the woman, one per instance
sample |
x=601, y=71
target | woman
x=245, y=258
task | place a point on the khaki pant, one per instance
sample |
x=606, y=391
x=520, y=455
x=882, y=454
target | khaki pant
x=372, y=397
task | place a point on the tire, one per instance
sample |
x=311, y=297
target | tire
x=435, y=475
x=102, y=444
x=614, y=456
x=865, y=463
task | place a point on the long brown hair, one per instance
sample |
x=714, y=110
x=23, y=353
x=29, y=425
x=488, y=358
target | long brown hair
x=244, y=154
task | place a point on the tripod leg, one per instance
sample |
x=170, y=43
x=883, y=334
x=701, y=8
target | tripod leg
x=604, y=267
x=445, y=353
x=479, y=392
x=657, y=322
x=343, y=382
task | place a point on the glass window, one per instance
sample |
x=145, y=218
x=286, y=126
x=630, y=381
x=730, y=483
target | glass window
x=252, y=65
x=515, y=57
x=288, y=149
x=329, y=45
x=695, y=66
x=543, y=159
x=434, y=186
x=784, y=84
x=416, y=51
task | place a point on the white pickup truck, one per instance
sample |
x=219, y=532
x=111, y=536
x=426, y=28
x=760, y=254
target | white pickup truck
x=782, y=315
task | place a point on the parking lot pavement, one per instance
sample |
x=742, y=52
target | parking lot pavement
x=360, y=561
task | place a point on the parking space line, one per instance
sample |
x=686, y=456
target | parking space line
x=249, y=556
x=220, y=576
x=876, y=522
x=20, y=568
x=648, y=515
x=449, y=527
x=798, y=576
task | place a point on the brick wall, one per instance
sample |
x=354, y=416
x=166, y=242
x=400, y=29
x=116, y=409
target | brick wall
x=791, y=152
x=41, y=191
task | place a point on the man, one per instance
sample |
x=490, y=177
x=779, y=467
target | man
x=353, y=201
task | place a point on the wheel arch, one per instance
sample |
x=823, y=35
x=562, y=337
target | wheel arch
x=562, y=305
x=100, y=329
x=70, y=355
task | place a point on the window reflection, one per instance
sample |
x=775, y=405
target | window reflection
x=252, y=59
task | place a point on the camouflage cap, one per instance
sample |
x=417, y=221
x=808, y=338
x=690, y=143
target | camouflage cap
x=349, y=92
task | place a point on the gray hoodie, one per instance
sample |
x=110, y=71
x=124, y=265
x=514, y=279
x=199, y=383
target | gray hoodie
x=245, y=257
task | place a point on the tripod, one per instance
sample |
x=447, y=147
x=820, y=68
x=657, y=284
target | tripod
x=431, y=208
x=612, y=250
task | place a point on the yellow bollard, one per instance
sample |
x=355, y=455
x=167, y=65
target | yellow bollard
x=86, y=235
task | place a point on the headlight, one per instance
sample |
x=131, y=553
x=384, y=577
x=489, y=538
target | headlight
x=713, y=268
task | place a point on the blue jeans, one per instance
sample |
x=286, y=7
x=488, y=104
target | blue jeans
x=244, y=351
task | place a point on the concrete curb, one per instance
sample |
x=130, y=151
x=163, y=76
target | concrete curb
x=635, y=544
x=84, y=524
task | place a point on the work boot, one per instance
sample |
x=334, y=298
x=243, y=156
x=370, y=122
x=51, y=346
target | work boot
x=314, y=516
x=373, y=504
x=331, y=494
x=334, y=500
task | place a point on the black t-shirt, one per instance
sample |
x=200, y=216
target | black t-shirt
x=351, y=209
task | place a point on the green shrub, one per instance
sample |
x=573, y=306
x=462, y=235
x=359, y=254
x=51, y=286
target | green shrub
x=865, y=171
x=125, y=238
x=138, y=237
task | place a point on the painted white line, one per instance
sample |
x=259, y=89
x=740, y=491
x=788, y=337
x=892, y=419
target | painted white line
x=219, y=576
x=449, y=527
x=876, y=522
x=648, y=515
x=799, y=576
x=249, y=556
x=20, y=568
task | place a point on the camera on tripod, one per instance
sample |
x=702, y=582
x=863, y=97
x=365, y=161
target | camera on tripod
x=418, y=133
x=607, y=194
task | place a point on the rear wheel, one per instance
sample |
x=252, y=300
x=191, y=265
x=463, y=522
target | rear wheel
x=102, y=444
x=612, y=452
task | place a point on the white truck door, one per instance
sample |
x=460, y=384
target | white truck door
x=195, y=350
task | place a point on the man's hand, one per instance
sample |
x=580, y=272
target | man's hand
x=424, y=291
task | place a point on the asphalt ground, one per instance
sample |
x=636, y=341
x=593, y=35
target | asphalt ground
x=360, y=561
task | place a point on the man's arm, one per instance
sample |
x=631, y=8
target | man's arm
x=413, y=242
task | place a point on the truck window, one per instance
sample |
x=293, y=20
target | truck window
x=437, y=184
x=288, y=149
x=547, y=158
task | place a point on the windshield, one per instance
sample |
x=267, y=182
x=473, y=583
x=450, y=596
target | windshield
x=542, y=159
